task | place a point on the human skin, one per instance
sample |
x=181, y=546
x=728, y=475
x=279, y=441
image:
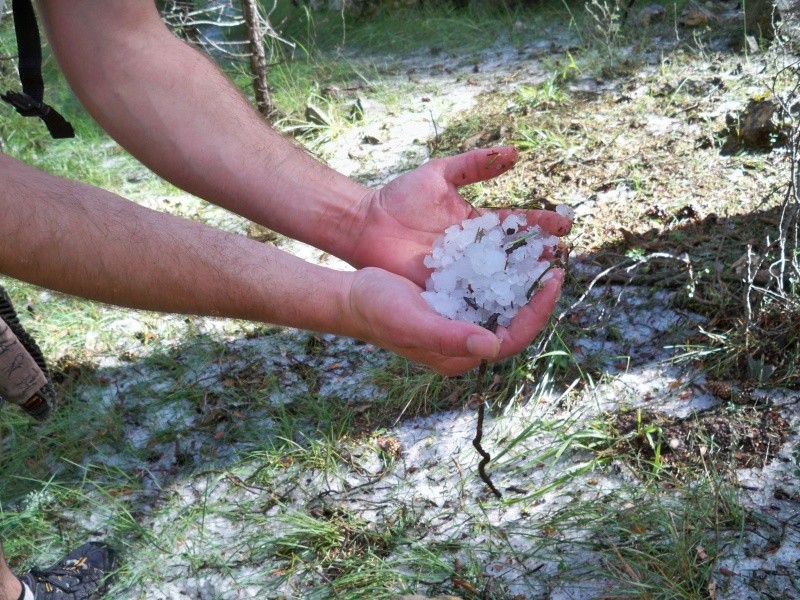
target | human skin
x=9, y=585
x=175, y=111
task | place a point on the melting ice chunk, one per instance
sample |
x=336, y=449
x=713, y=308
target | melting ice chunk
x=484, y=267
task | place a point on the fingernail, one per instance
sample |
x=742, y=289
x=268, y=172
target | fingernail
x=482, y=346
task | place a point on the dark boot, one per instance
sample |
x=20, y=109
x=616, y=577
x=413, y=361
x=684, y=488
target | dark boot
x=83, y=574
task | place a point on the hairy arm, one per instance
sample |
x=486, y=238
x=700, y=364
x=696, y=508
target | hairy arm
x=175, y=111
x=172, y=108
x=81, y=240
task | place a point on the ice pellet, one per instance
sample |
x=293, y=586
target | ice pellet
x=484, y=267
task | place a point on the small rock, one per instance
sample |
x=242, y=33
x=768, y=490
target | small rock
x=755, y=128
x=390, y=446
x=674, y=443
x=470, y=143
x=485, y=138
x=650, y=14
x=695, y=15
x=752, y=45
x=332, y=92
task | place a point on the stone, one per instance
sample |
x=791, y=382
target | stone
x=757, y=127
x=650, y=14
x=695, y=15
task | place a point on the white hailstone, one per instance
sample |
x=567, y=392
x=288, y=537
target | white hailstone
x=484, y=267
x=566, y=211
x=512, y=223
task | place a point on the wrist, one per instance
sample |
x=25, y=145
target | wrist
x=311, y=203
x=353, y=316
x=341, y=222
x=321, y=302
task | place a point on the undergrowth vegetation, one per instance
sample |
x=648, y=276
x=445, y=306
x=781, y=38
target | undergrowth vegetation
x=232, y=460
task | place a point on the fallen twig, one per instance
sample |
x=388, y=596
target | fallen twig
x=491, y=325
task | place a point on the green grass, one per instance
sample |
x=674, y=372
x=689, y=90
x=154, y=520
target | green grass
x=434, y=26
x=646, y=544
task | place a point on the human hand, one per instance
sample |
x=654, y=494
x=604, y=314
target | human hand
x=387, y=310
x=398, y=224
x=397, y=227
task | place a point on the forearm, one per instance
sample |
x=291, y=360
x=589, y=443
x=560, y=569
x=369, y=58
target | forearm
x=175, y=111
x=80, y=240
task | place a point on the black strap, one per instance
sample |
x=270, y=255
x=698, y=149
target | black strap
x=30, y=102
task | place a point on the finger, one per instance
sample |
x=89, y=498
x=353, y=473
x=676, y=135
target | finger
x=478, y=165
x=448, y=338
x=551, y=222
x=531, y=318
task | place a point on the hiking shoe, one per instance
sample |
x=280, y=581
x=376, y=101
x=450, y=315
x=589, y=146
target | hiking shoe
x=80, y=575
x=23, y=372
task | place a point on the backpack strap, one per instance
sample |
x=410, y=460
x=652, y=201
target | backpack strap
x=30, y=102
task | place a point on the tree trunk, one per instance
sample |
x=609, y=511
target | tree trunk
x=258, y=59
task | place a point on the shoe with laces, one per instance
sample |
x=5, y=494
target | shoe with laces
x=83, y=574
x=23, y=372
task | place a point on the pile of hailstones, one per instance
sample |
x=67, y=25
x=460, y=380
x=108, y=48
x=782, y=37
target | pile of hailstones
x=484, y=267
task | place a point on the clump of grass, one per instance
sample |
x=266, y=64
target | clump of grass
x=637, y=542
x=764, y=352
x=606, y=19
x=668, y=549
x=412, y=391
x=544, y=96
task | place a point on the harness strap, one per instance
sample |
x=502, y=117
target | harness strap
x=30, y=102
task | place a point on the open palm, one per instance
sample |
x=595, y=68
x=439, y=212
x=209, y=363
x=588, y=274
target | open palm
x=388, y=310
x=398, y=225
x=399, y=222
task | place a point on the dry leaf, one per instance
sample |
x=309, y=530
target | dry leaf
x=460, y=583
x=701, y=554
